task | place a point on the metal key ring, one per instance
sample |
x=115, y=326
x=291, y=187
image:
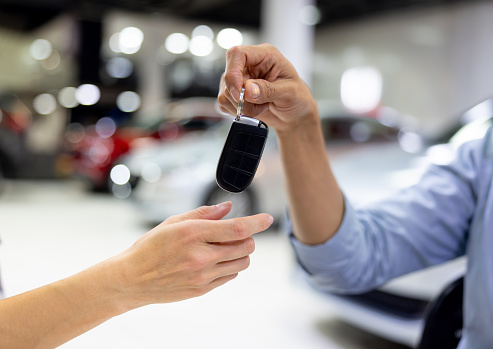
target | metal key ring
x=239, y=109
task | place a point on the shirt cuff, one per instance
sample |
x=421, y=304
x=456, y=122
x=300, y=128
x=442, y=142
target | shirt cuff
x=333, y=253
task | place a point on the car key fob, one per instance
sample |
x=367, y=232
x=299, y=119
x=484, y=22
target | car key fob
x=241, y=155
x=242, y=152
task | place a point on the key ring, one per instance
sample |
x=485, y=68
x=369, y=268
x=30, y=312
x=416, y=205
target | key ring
x=239, y=109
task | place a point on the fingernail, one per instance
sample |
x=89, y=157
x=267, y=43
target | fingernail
x=255, y=90
x=223, y=204
x=234, y=93
x=270, y=219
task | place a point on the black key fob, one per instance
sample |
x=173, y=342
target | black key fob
x=241, y=154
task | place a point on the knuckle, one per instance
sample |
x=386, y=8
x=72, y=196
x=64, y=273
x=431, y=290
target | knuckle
x=198, y=262
x=230, y=76
x=269, y=90
x=270, y=47
x=202, y=210
x=223, y=109
x=197, y=292
x=232, y=51
x=239, y=229
x=223, y=101
x=249, y=245
x=221, y=98
x=245, y=263
x=171, y=220
x=200, y=280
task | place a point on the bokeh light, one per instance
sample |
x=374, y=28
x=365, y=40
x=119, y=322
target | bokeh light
x=128, y=101
x=120, y=174
x=66, y=97
x=114, y=43
x=87, y=94
x=53, y=61
x=44, y=104
x=203, y=30
x=201, y=46
x=40, y=49
x=105, y=127
x=177, y=43
x=121, y=191
x=361, y=89
x=360, y=132
x=130, y=40
x=310, y=15
x=119, y=67
x=410, y=142
x=229, y=37
x=99, y=153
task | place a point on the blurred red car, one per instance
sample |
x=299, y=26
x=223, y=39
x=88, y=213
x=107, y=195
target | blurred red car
x=15, y=120
x=96, y=148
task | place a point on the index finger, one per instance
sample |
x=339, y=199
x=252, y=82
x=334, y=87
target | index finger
x=240, y=57
x=237, y=228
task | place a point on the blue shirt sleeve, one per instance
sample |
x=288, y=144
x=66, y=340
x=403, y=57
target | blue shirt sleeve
x=420, y=226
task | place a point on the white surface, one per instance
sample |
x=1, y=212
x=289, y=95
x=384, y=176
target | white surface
x=51, y=230
x=405, y=331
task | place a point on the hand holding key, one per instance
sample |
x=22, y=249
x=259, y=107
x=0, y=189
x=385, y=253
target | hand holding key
x=274, y=93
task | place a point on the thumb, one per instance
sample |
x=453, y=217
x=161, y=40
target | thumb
x=214, y=212
x=260, y=91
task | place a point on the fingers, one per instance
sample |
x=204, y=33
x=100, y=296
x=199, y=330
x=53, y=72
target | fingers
x=217, y=282
x=228, y=251
x=255, y=62
x=224, y=272
x=228, y=105
x=244, y=58
x=260, y=91
x=226, y=102
x=236, y=228
x=214, y=212
x=272, y=85
x=232, y=267
x=235, y=66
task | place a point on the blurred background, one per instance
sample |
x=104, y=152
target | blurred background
x=108, y=125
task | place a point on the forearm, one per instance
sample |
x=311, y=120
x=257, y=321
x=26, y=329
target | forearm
x=316, y=203
x=53, y=314
x=186, y=256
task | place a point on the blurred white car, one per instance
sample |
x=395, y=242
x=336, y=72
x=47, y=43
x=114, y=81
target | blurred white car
x=175, y=177
x=179, y=176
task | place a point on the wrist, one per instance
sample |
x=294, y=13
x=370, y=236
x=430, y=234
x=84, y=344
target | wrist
x=102, y=287
x=307, y=133
x=77, y=304
x=306, y=122
x=118, y=286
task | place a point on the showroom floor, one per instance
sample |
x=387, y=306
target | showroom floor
x=53, y=229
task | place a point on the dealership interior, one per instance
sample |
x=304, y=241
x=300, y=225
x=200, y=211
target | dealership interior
x=109, y=125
